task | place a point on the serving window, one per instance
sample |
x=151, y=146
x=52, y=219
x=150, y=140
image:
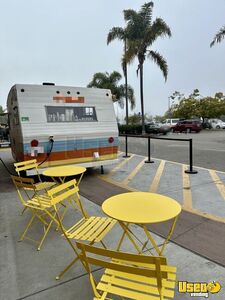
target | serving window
x=71, y=114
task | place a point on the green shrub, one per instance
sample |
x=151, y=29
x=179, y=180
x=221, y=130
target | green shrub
x=130, y=129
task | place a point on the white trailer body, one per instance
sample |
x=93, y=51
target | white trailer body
x=62, y=125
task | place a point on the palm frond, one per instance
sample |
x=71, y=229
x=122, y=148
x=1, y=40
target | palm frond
x=116, y=33
x=98, y=80
x=160, y=61
x=219, y=36
x=158, y=29
x=110, y=81
x=114, y=77
x=146, y=12
x=129, y=15
x=130, y=95
x=121, y=103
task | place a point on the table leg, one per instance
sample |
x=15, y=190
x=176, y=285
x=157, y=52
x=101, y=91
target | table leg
x=169, y=235
x=81, y=176
x=150, y=238
x=128, y=232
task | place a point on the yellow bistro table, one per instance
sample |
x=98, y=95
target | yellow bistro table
x=62, y=172
x=142, y=208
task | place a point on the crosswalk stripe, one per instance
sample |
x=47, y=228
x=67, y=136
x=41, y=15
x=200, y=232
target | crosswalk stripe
x=219, y=184
x=156, y=180
x=187, y=196
x=133, y=173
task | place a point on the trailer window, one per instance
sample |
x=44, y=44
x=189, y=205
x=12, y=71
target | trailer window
x=71, y=114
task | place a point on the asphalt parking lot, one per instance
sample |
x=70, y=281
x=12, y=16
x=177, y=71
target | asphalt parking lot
x=208, y=148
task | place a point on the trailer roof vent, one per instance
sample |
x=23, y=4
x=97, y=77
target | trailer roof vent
x=48, y=83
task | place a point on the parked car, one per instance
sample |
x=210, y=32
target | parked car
x=4, y=137
x=217, y=123
x=171, y=122
x=157, y=128
x=188, y=126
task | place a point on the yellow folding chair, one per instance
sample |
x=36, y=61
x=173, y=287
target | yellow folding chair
x=91, y=229
x=39, y=205
x=127, y=275
x=29, y=165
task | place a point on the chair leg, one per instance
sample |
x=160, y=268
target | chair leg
x=26, y=229
x=44, y=236
x=23, y=211
x=62, y=216
x=67, y=268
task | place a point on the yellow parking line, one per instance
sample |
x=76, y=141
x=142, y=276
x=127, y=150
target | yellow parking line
x=187, y=196
x=219, y=184
x=133, y=173
x=119, y=166
x=156, y=180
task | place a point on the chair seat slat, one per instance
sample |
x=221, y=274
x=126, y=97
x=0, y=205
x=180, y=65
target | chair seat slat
x=166, y=283
x=125, y=292
x=147, y=288
x=43, y=185
x=74, y=231
x=109, y=226
x=96, y=228
x=84, y=229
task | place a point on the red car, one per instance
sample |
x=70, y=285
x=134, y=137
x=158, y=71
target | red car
x=188, y=126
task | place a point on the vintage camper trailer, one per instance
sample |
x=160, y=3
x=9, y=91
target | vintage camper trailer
x=61, y=125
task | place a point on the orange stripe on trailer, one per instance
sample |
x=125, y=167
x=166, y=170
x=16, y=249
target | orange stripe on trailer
x=74, y=154
x=68, y=99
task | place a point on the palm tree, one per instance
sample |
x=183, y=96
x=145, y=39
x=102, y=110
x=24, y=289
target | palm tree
x=120, y=34
x=142, y=33
x=111, y=81
x=219, y=36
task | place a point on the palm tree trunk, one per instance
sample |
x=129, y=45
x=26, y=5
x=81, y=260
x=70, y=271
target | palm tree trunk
x=125, y=75
x=142, y=99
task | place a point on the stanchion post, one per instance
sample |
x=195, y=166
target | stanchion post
x=149, y=152
x=126, y=148
x=191, y=171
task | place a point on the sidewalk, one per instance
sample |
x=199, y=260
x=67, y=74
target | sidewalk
x=30, y=274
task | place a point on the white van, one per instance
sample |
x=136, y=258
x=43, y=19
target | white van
x=61, y=125
x=171, y=122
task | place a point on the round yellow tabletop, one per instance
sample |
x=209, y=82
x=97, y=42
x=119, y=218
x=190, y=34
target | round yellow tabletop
x=63, y=171
x=141, y=207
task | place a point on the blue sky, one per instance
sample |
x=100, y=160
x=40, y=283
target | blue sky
x=65, y=42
